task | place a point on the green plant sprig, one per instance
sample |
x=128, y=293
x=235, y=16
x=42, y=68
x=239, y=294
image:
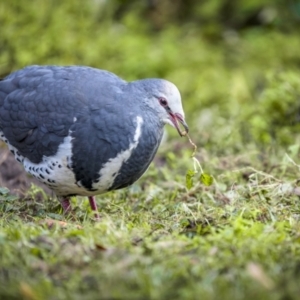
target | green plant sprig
x=204, y=178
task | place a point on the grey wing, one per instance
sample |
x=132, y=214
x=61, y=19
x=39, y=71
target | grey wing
x=38, y=106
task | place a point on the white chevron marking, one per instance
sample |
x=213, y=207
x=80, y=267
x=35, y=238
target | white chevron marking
x=110, y=170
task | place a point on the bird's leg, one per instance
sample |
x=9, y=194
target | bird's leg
x=93, y=205
x=66, y=205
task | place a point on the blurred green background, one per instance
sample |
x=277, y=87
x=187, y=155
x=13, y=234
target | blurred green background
x=236, y=63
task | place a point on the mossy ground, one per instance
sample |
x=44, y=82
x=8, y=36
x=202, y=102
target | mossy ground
x=236, y=239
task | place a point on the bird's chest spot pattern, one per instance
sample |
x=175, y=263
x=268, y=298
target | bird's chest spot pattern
x=45, y=171
x=12, y=149
x=55, y=171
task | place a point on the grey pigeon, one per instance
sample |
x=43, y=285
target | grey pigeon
x=84, y=131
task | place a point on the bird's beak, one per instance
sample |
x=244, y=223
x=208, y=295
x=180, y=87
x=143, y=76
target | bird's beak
x=178, y=117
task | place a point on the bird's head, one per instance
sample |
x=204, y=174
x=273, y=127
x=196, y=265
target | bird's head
x=165, y=99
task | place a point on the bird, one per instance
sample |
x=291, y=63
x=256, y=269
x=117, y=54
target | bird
x=84, y=131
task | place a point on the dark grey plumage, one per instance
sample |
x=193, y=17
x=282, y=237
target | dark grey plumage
x=84, y=131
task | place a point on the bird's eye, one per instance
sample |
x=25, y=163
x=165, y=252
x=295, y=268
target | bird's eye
x=163, y=101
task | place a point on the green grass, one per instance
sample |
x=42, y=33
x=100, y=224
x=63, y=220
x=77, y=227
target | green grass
x=236, y=239
x=156, y=240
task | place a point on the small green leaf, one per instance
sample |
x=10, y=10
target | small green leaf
x=189, y=179
x=4, y=191
x=206, y=179
x=11, y=198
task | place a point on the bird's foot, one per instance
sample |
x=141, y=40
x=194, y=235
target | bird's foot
x=94, y=208
x=66, y=205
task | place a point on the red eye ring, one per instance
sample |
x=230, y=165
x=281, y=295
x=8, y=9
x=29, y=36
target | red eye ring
x=163, y=101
